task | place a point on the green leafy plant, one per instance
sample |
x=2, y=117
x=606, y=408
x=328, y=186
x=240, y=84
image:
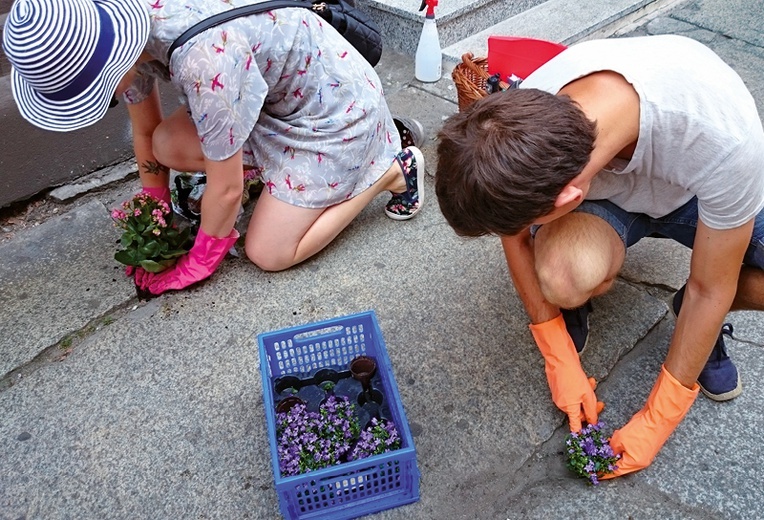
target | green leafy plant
x=313, y=440
x=379, y=437
x=589, y=454
x=149, y=238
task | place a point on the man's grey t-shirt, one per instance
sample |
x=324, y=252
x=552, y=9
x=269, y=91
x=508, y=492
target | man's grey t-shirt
x=699, y=131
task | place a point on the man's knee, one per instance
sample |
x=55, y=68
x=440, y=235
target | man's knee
x=562, y=286
x=573, y=264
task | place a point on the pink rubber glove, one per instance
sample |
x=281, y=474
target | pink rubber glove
x=645, y=434
x=572, y=392
x=158, y=193
x=205, y=256
x=161, y=193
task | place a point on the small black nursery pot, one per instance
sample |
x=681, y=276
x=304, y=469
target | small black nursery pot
x=312, y=396
x=372, y=409
x=348, y=387
x=373, y=396
x=287, y=383
x=326, y=375
x=327, y=379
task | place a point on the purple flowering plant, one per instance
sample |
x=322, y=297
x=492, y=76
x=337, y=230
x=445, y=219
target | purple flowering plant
x=379, y=437
x=589, y=454
x=314, y=440
x=149, y=238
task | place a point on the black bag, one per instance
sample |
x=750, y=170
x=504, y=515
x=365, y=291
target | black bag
x=355, y=25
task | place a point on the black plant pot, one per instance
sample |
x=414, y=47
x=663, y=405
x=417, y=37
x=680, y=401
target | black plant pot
x=326, y=375
x=327, y=379
x=373, y=396
x=312, y=396
x=287, y=403
x=289, y=384
x=349, y=388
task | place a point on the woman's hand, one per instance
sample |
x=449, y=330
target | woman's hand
x=200, y=262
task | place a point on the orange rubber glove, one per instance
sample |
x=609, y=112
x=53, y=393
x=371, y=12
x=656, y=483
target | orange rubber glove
x=572, y=392
x=645, y=434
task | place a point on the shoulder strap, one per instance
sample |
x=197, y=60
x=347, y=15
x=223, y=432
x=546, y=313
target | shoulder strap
x=225, y=16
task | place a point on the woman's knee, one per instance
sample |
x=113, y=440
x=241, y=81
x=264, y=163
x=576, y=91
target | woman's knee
x=175, y=143
x=265, y=259
x=163, y=145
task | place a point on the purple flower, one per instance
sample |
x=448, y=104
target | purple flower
x=587, y=444
x=589, y=454
x=379, y=437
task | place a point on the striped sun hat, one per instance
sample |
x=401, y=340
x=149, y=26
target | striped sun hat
x=69, y=55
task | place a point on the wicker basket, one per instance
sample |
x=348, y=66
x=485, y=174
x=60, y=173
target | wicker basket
x=470, y=78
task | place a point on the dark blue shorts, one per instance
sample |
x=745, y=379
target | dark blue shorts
x=678, y=225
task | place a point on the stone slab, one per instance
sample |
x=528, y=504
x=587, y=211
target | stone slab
x=33, y=160
x=657, y=262
x=554, y=20
x=161, y=411
x=746, y=58
x=400, y=21
x=95, y=180
x=693, y=476
x=56, y=279
x=724, y=17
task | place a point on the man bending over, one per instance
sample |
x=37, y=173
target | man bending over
x=608, y=142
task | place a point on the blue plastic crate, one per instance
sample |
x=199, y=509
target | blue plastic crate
x=350, y=489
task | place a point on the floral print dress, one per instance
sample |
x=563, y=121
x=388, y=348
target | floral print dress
x=307, y=110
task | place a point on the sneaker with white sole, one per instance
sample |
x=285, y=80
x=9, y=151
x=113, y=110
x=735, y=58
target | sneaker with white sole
x=719, y=380
x=577, y=324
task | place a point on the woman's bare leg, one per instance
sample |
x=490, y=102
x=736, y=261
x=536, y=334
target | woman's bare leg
x=281, y=235
x=176, y=143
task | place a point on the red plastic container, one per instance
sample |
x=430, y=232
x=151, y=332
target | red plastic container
x=520, y=56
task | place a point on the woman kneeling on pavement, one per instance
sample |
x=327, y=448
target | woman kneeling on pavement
x=280, y=92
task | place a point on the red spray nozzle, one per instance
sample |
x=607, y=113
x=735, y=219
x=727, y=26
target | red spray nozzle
x=430, y=4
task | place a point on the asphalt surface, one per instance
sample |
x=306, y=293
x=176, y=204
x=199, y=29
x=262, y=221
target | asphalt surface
x=116, y=408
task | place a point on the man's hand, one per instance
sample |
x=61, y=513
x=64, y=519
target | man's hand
x=645, y=434
x=205, y=256
x=572, y=392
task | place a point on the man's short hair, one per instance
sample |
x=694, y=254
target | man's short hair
x=503, y=161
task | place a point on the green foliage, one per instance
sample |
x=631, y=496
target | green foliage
x=589, y=454
x=149, y=238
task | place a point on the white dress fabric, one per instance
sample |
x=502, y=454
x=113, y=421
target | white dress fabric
x=307, y=110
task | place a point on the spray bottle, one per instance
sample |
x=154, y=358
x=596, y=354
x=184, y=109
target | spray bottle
x=428, y=62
